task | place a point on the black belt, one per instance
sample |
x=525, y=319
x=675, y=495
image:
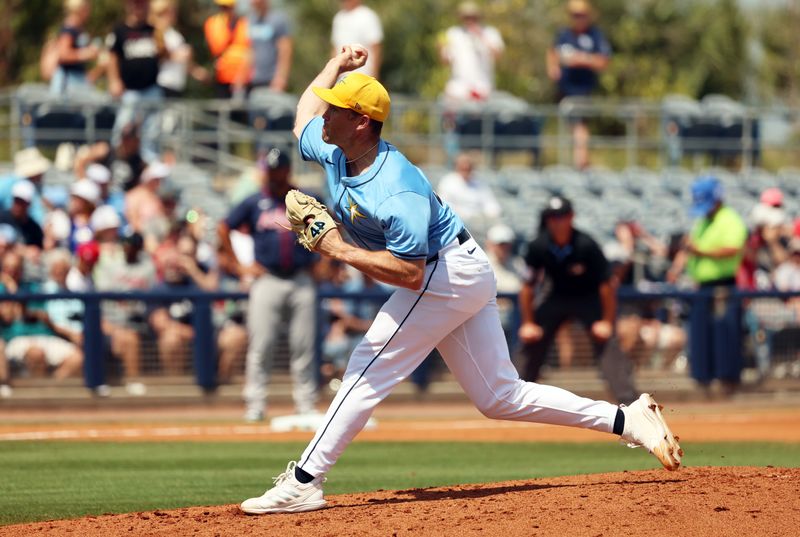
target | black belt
x=462, y=237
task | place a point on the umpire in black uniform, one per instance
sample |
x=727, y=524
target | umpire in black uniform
x=581, y=288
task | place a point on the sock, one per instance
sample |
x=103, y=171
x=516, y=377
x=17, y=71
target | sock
x=619, y=422
x=302, y=476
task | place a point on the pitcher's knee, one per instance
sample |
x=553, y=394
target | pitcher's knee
x=502, y=404
x=495, y=409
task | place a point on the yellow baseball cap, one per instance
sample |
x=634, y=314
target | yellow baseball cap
x=225, y=3
x=360, y=93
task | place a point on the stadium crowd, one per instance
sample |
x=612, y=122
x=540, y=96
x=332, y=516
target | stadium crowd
x=122, y=225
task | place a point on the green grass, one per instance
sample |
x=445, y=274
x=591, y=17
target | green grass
x=49, y=480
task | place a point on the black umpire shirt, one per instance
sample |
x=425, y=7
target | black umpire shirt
x=576, y=269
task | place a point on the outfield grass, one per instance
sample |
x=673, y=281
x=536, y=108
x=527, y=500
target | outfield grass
x=59, y=479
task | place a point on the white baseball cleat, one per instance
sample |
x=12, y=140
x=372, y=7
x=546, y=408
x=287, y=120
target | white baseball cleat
x=645, y=427
x=287, y=496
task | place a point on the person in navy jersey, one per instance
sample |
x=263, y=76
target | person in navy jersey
x=75, y=49
x=578, y=54
x=279, y=281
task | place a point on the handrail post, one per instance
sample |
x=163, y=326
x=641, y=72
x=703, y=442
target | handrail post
x=94, y=373
x=699, y=332
x=205, y=355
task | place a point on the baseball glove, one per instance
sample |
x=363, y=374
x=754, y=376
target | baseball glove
x=300, y=209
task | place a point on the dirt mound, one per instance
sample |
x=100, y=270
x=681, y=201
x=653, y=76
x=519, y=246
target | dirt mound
x=693, y=501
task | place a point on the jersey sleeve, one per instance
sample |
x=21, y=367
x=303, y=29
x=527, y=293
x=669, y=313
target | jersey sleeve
x=283, y=27
x=114, y=42
x=534, y=257
x=373, y=29
x=602, y=45
x=311, y=146
x=598, y=265
x=494, y=38
x=560, y=38
x=405, y=218
x=738, y=234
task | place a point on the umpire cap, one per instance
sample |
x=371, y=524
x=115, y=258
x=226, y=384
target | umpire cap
x=557, y=206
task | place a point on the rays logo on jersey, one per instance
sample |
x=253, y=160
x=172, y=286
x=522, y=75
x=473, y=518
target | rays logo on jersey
x=352, y=208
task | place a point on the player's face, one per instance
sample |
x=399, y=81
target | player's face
x=339, y=125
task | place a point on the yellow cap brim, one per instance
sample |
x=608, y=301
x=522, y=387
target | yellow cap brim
x=329, y=97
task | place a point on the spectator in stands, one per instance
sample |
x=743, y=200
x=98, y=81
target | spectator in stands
x=712, y=254
x=124, y=159
x=133, y=75
x=29, y=164
x=31, y=338
x=178, y=62
x=75, y=50
x=18, y=216
x=357, y=23
x=581, y=288
x=578, y=54
x=226, y=37
x=144, y=208
x=787, y=275
x=84, y=197
x=766, y=246
x=79, y=278
x=508, y=270
x=106, y=223
x=638, y=252
x=470, y=49
x=271, y=46
x=765, y=317
x=123, y=267
x=345, y=323
x=468, y=196
x=66, y=314
x=101, y=176
x=172, y=320
x=280, y=285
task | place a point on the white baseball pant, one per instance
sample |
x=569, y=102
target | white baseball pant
x=455, y=312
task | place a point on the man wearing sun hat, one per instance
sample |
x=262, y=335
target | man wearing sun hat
x=404, y=235
x=29, y=164
x=470, y=49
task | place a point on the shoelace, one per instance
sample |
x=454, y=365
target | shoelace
x=277, y=480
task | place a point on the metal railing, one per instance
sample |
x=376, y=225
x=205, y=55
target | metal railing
x=431, y=130
x=702, y=308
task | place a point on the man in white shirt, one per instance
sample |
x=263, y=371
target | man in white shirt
x=356, y=23
x=470, y=198
x=471, y=50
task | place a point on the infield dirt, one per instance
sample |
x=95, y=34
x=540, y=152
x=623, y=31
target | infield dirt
x=701, y=501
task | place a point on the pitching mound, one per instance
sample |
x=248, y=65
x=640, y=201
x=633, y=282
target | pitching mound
x=692, y=501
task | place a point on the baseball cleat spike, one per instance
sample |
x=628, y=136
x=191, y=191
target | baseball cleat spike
x=646, y=427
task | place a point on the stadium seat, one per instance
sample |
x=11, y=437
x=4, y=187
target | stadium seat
x=271, y=111
x=507, y=122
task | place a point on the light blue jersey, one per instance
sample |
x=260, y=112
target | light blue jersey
x=391, y=206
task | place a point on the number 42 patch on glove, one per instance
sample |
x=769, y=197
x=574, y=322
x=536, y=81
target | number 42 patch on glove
x=310, y=219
